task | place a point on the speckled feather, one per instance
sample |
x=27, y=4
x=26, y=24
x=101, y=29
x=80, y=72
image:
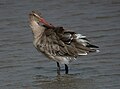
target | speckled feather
x=58, y=43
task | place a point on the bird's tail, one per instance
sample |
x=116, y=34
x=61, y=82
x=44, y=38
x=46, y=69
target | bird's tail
x=85, y=44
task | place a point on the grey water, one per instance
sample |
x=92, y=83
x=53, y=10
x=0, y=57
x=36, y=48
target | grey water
x=22, y=67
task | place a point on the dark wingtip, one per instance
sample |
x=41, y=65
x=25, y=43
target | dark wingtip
x=92, y=46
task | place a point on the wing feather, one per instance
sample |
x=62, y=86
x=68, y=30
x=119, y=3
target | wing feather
x=62, y=44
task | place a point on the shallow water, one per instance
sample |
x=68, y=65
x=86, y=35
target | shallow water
x=22, y=67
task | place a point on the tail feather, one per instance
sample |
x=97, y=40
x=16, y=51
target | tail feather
x=84, y=44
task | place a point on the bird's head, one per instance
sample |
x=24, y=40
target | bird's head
x=39, y=19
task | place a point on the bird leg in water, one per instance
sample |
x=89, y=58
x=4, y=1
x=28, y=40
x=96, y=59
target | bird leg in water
x=66, y=69
x=58, y=68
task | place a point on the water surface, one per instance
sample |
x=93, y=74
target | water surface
x=22, y=67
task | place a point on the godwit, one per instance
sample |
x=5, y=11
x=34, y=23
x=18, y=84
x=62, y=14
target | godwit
x=57, y=43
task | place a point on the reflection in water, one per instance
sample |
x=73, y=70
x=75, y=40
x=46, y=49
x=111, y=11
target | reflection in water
x=64, y=82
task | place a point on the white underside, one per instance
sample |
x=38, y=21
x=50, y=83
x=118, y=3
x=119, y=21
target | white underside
x=64, y=60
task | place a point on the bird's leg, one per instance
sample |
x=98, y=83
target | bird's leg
x=66, y=69
x=58, y=68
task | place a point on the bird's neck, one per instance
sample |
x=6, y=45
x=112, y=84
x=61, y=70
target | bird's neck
x=37, y=29
x=38, y=32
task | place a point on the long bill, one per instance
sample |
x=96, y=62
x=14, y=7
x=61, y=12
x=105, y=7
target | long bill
x=46, y=23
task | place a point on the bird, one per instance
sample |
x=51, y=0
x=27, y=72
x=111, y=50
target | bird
x=57, y=43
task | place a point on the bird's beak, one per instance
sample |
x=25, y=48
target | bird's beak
x=40, y=19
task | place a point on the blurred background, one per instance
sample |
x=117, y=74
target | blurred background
x=22, y=67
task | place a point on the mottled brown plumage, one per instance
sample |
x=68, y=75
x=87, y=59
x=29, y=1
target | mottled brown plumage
x=58, y=43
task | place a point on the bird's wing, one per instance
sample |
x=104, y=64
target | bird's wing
x=59, y=42
x=75, y=44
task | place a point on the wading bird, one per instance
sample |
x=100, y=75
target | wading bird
x=57, y=43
